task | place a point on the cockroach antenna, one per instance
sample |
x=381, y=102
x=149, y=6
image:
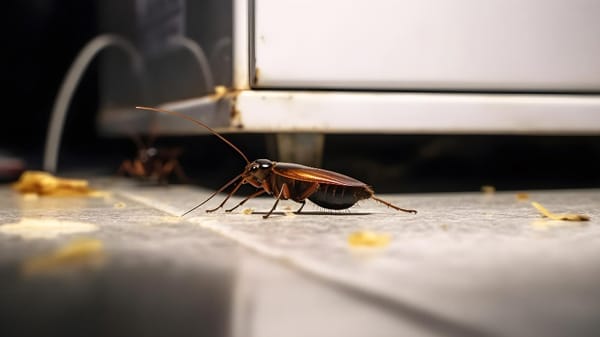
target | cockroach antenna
x=199, y=123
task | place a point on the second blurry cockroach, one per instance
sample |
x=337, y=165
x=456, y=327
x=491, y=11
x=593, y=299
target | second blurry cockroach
x=152, y=163
x=285, y=181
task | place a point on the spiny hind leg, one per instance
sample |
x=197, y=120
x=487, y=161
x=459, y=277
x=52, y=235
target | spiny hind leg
x=393, y=206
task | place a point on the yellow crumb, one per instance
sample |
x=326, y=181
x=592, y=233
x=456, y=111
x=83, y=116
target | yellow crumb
x=170, y=219
x=119, y=205
x=522, y=196
x=248, y=211
x=488, y=189
x=220, y=89
x=98, y=194
x=560, y=216
x=368, y=239
x=43, y=183
x=30, y=196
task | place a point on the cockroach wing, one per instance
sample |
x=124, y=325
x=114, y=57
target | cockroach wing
x=312, y=174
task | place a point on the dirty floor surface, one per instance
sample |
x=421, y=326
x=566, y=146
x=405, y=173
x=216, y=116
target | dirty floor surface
x=468, y=264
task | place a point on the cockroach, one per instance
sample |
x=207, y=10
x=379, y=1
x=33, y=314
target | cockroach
x=152, y=163
x=328, y=189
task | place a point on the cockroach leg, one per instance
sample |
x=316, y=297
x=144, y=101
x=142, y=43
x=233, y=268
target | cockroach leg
x=237, y=187
x=301, y=206
x=255, y=194
x=393, y=206
x=125, y=168
x=274, y=205
x=179, y=172
x=213, y=195
x=306, y=194
x=163, y=172
x=285, y=192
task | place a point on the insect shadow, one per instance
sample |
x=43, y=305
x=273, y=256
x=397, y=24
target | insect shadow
x=334, y=213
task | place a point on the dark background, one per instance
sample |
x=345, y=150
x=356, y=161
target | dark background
x=42, y=38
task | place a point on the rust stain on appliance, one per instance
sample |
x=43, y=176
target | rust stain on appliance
x=229, y=95
x=256, y=76
x=220, y=92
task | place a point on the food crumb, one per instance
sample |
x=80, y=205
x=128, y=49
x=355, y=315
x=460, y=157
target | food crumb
x=559, y=216
x=220, y=90
x=30, y=196
x=368, y=239
x=248, y=211
x=98, y=194
x=170, y=219
x=45, y=184
x=522, y=196
x=488, y=189
x=119, y=205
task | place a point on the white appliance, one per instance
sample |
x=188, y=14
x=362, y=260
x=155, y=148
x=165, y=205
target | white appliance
x=401, y=66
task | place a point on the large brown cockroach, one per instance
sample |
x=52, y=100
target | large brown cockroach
x=153, y=164
x=285, y=181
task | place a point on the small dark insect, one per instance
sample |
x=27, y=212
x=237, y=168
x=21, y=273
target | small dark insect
x=153, y=164
x=285, y=181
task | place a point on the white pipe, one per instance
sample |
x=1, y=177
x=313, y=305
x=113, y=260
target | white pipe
x=69, y=84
